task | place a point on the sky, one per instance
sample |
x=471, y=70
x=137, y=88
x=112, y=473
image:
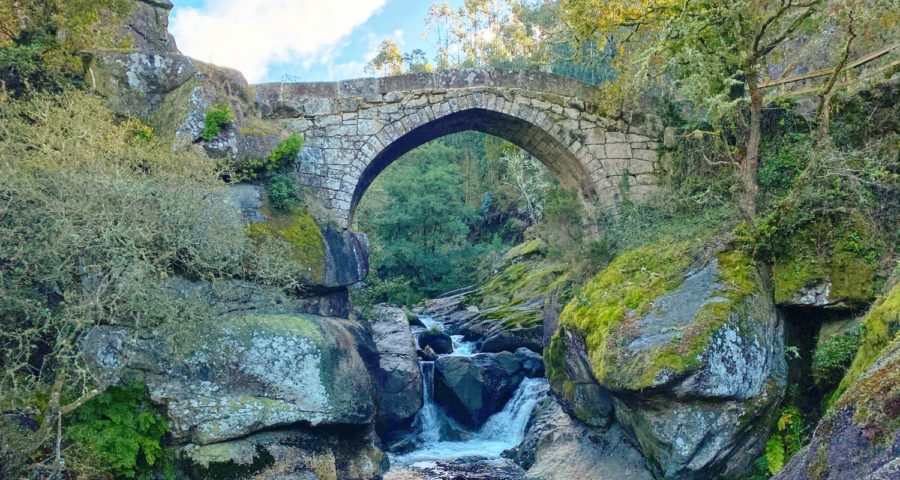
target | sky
x=297, y=40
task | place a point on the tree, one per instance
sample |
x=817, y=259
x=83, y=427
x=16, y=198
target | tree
x=716, y=49
x=388, y=61
x=526, y=174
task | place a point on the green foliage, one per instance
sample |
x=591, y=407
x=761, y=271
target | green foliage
x=782, y=164
x=216, y=117
x=786, y=439
x=282, y=192
x=41, y=41
x=122, y=432
x=93, y=222
x=283, y=155
x=419, y=223
x=832, y=358
x=286, y=151
x=880, y=327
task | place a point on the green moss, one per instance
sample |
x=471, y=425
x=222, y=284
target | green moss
x=880, y=327
x=298, y=228
x=606, y=309
x=508, y=295
x=843, y=252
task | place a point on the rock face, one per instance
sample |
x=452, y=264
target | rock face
x=399, y=380
x=146, y=29
x=298, y=453
x=252, y=372
x=559, y=447
x=695, y=366
x=473, y=388
x=438, y=341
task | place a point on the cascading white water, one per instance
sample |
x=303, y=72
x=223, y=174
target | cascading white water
x=502, y=431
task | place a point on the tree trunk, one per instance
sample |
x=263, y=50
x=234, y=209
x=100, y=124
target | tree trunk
x=750, y=164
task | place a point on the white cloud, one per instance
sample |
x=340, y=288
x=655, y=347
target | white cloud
x=251, y=35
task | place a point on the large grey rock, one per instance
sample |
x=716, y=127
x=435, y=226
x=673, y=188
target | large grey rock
x=860, y=436
x=146, y=28
x=346, y=256
x=559, y=447
x=511, y=339
x=399, y=380
x=246, y=373
x=295, y=454
x=695, y=379
x=473, y=388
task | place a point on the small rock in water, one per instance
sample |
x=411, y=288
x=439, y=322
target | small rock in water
x=439, y=341
x=427, y=354
x=532, y=363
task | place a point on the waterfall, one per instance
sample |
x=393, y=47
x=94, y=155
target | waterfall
x=503, y=430
x=428, y=420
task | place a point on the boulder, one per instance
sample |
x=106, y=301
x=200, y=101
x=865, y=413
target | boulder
x=245, y=373
x=859, y=437
x=692, y=352
x=399, y=382
x=438, y=341
x=569, y=372
x=559, y=447
x=532, y=363
x=473, y=388
x=297, y=453
x=336, y=258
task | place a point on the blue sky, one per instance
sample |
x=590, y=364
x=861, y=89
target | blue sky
x=306, y=40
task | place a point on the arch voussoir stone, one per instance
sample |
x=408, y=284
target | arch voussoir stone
x=354, y=129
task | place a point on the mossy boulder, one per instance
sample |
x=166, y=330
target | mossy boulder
x=253, y=372
x=828, y=262
x=859, y=437
x=689, y=345
x=332, y=257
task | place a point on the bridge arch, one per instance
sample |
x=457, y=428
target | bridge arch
x=355, y=129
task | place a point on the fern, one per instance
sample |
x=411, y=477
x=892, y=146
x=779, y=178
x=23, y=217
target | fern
x=122, y=430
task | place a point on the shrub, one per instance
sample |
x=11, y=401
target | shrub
x=833, y=357
x=286, y=150
x=217, y=117
x=121, y=432
x=282, y=192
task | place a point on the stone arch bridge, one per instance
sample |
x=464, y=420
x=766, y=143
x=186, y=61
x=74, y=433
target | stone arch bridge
x=354, y=129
